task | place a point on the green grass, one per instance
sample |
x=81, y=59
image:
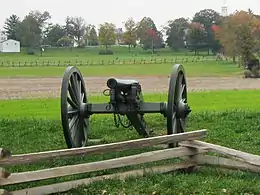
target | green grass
x=199, y=102
x=54, y=61
x=231, y=117
x=91, y=53
x=192, y=69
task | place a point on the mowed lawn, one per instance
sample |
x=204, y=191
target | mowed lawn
x=203, y=69
x=231, y=117
x=54, y=61
x=199, y=101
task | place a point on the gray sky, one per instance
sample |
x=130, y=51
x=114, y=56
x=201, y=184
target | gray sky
x=116, y=11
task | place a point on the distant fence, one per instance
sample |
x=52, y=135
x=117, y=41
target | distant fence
x=36, y=63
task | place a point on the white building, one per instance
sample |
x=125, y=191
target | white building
x=10, y=45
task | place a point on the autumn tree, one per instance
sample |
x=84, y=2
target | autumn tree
x=148, y=34
x=11, y=26
x=208, y=17
x=237, y=35
x=176, y=31
x=130, y=35
x=107, y=34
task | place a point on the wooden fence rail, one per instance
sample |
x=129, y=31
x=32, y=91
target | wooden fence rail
x=190, y=150
x=36, y=63
x=7, y=159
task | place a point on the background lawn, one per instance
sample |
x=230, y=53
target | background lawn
x=123, y=62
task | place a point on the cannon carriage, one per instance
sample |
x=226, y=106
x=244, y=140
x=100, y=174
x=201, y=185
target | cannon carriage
x=125, y=99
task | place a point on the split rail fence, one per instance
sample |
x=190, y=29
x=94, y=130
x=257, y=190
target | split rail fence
x=191, y=151
x=43, y=63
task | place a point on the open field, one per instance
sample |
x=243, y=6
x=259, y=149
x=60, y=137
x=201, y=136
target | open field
x=49, y=108
x=123, y=62
x=120, y=52
x=221, y=101
x=205, y=69
x=90, y=57
x=230, y=116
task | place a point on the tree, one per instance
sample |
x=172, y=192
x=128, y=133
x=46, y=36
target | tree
x=176, y=32
x=54, y=34
x=31, y=29
x=75, y=28
x=142, y=29
x=107, y=34
x=208, y=17
x=91, y=37
x=237, y=35
x=41, y=18
x=130, y=35
x=65, y=41
x=29, y=32
x=11, y=26
x=119, y=35
x=196, y=37
x=148, y=34
x=42, y=21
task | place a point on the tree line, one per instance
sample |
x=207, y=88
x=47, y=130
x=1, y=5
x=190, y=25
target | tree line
x=237, y=34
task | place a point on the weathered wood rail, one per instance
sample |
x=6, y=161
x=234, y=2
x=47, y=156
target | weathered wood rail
x=192, y=152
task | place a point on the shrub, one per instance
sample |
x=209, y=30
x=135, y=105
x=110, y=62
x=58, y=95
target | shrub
x=105, y=52
x=30, y=51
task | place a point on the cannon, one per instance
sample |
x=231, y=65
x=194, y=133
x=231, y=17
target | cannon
x=125, y=99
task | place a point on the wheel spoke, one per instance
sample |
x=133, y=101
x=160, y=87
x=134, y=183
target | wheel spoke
x=174, y=126
x=74, y=86
x=80, y=89
x=73, y=95
x=77, y=80
x=82, y=97
x=76, y=136
x=72, y=112
x=72, y=104
x=72, y=122
x=182, y=90
x=179, y=87
x=181, y=125
x=174, y=116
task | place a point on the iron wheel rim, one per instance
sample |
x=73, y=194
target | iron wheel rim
x=73, y=96
x=177, y=93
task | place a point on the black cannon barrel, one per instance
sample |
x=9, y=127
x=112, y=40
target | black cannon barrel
x=113, y=83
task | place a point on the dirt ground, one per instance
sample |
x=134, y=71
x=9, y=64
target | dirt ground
x=17, y=88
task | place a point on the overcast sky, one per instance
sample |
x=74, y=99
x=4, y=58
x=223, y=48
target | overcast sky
x=116, y=11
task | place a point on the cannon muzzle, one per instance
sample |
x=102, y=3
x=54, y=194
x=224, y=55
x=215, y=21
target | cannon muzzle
x=113, y=83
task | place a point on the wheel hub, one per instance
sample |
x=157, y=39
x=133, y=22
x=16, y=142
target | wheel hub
x=183, y=109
